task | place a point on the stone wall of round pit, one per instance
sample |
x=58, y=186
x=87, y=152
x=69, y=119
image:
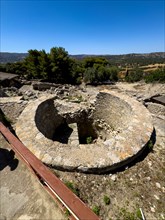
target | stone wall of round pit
x=93, y=137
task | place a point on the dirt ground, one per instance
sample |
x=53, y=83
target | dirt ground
x=139, y=186
x=113, y=196
x=21, y=195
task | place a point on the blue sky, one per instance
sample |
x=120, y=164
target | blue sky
x=83, y=26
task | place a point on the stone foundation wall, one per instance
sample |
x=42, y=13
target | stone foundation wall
x=12, y=110
x=41, y=118
x=47, y=118
x=157, y=109
x=113, y=110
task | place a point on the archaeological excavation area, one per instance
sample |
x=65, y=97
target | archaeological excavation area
x=98, y=139
x=107, y=131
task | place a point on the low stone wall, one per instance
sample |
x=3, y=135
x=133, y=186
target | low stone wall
x=155, y=108
x=120, y=125
x=47, y=118
x=43, y=86
x=12, y=107
x=113, y=110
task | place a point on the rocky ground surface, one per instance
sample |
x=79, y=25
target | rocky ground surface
x=119, y=195
x=139, y=186
x=21, y=196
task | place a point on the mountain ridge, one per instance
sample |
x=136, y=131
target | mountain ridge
x=11, y=57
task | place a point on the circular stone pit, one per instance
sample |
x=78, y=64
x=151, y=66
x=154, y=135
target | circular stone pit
x=96, y=137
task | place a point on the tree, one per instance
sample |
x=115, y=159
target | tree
x=3, y=67
x=61, y=65
x=44, y=65
x=32, y=64
x=17, y=68
x=135, y=75
x=99, y=73
x=113, y=73
x=38, y=64
x=77, y=72
x=90, y=61
x=90, y=75
x=156, y=76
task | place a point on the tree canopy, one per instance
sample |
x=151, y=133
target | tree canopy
x=58, y=66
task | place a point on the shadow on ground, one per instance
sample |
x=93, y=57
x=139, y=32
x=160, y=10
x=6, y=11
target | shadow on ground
x=7, y=159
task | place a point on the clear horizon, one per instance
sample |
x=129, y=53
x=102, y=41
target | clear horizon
x=92, y=27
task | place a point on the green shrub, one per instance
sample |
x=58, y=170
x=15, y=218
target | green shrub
x=150, y=145
x=138, y=214
x=156, y=76
x=135, y=75
x=72, y=188
x=98, y=73
x=79, y=99
x=89, y=140
x=106, y=200
x=96, y=210
x=67, y=213
x=127, y=215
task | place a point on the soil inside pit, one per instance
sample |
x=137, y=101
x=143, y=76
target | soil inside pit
x=140, y=186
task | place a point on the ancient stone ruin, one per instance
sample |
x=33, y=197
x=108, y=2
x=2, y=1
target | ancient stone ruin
x=108, y=131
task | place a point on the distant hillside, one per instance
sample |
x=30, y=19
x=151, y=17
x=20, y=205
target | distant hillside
x=142, y=59
x=11, y=57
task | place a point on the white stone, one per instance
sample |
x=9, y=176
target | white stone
x=113, y=177
x=148, y=178
x=156, y=197
x=107, y=143
x=158, y=185
x=162, y=216
x=150, y=163
x=152, y=209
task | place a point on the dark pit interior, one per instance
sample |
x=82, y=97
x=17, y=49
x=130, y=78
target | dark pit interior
x=87, y=133
x=56, y=127
x=53, y=120
x=62, y=133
